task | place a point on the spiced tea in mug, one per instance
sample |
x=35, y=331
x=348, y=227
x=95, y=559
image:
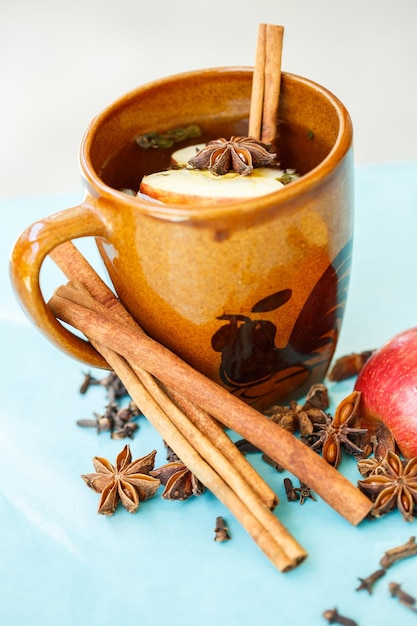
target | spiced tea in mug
x=250, y=291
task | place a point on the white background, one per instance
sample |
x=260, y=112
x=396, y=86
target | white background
x=61, y=63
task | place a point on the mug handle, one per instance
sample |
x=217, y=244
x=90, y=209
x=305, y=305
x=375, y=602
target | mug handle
x=27, y=257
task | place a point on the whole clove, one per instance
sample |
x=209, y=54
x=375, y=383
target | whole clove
x=398, y=553
x=334, y=617
x=368, y=582
x=221, y=530
x=87, y=382
x=102, y=423
x=304, y=492
x=267, y=459
x=246, y=447
x=292, y=495
x=403, y=597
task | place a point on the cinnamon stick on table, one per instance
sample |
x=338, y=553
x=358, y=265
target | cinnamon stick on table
x=281, y=446
x=268, y=532
x=266, y=84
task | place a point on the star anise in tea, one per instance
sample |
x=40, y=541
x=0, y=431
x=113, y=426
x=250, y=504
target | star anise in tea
x=179, y=482
x=127, y=481
x=336, y=432
x=239, y=154
x=393, y=487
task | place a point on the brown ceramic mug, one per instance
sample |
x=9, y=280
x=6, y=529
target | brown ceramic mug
x=252, y=293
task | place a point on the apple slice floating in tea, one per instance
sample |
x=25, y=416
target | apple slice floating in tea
x=185, y=185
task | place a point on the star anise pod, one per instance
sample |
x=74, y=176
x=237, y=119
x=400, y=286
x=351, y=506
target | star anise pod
x=179, y=482
x=239, y=154
x=128, y=482
x=395, y=487
x=335, y=433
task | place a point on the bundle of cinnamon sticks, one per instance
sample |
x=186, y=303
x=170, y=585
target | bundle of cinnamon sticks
x=188, y=409
x=197, y=438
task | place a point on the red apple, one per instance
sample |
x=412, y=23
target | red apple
x=388, y=384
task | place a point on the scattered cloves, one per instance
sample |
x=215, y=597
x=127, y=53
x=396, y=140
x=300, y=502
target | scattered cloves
x=114, y=387
x=368, y=583
x=117, y=421
x=398, y=553
x=221, y=530
x=334, y=617
x=112, y=383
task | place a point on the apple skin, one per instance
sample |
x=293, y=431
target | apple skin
x=388, y=386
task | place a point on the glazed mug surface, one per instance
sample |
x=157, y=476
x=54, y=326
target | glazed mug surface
x=251, y=293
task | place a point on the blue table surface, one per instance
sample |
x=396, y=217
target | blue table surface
x=61, y=563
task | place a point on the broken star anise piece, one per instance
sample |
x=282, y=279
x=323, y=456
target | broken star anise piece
x=128, y=482
x=179, y=482
x=371, y=465
x=336, y=433
x=349, y=365
x=395, y=487
x=239, y=154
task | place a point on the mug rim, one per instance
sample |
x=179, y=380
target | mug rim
x=177, y=212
